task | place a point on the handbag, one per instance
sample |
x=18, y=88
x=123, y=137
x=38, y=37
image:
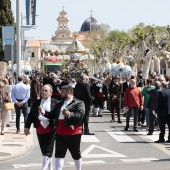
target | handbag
x=8, y=106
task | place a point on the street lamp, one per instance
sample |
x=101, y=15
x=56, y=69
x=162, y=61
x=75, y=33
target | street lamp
x=18, y=27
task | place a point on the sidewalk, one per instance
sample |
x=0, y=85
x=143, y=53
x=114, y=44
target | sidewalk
x=13, y=145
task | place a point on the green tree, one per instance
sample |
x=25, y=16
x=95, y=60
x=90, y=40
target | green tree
x=6, y=19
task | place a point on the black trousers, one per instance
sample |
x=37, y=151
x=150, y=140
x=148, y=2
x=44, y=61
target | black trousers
x=46, y=142
x=115, y=107
x=86, y=119
x=141, y=116
x=163, y=119
x=99, y=102
x=70, y=142
x=151, y=121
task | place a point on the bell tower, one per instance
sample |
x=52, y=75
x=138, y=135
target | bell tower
x=63, y=33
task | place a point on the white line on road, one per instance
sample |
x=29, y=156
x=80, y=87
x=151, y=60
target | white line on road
x=89, y=138
x=153, y=137
x=86, y=153
x=139, y=160
x=119, y=136
x=27, y=165
x=89, y=162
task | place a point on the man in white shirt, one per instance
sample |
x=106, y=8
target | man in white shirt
x=45, y=128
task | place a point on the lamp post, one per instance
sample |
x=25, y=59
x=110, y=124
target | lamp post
x=18, y=44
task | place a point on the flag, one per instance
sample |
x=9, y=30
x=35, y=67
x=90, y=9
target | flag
x=30, y=11
x=8, y=35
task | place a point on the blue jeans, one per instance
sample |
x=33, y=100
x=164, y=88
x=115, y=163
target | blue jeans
x=18, y=109
x=135, y=120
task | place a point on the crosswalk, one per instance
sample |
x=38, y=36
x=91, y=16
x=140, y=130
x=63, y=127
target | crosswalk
x=121, y=136
x=94, y=143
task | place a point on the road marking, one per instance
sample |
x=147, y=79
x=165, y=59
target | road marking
x=86, y=153
x=119, y=136
x=89, y=162
x=89, y=138
x=27, y=165
x=139, y=160
x=153, y=137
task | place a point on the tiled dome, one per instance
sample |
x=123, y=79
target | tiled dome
x=88, y=24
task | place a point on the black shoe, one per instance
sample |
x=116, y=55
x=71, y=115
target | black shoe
x=99, y=115
x=119, y=121
x=135, y=130
x=160, y=141
x=88, y=133
x=149, y=133
x=168, y=141
x=2, y=133
x=112, y=121
x=126, y=129
x=18, y=130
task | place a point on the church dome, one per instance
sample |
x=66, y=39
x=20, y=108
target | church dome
x=89, y=24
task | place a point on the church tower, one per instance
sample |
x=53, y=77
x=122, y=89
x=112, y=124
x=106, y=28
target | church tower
x=63, y=33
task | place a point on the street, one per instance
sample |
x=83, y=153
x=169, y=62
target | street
x=110, y=148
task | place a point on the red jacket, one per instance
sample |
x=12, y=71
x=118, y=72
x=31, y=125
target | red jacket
x=133, y=97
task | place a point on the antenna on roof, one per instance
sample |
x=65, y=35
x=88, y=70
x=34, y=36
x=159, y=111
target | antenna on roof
x=63, y=6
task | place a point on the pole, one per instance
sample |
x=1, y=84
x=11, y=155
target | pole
x=12, y=62
x=18, y=45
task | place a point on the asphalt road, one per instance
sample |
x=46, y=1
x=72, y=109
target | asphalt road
x=110, y=148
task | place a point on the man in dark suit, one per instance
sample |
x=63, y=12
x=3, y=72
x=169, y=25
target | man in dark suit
x=152, y=105
x=163, y=111
x=82, y=92
x=45, y=128
x=115, y=91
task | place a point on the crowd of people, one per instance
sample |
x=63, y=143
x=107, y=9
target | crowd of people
x=60, y=108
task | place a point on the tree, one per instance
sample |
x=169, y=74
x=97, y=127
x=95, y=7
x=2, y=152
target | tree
x=6, y=19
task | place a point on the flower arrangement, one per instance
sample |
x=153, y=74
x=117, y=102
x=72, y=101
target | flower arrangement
x=119, y=69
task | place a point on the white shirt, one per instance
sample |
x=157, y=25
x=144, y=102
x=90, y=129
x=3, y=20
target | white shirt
x=46, y=105
x=66, y=102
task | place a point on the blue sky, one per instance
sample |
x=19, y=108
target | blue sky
x=118, y=14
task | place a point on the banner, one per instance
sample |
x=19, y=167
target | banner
x=8, y=35
x=30, y=11
x=27, y=3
